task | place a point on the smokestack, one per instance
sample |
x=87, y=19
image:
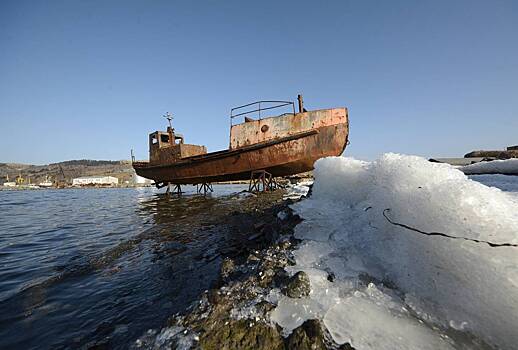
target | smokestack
x=301, y=103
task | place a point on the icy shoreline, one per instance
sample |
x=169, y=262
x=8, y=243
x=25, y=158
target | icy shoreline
x=361, y=270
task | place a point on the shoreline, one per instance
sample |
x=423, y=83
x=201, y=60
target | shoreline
x=234, y=312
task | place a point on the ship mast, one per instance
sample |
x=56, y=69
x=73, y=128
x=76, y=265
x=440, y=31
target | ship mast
x=169, y=118
x=170, y=129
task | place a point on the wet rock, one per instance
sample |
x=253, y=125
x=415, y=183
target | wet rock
x=291, y=261
x=242, y=334
x=281, y=278
x=227, y=268
x=252, y=258
x=298, y=286
x=264, y=307
x=284, y=244
x=266, y=277
x=308, y=336
x=269, y=233
x=331, y=277
x=214, y=296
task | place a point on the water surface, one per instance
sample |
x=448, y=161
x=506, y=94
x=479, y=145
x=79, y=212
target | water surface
x=85, y=267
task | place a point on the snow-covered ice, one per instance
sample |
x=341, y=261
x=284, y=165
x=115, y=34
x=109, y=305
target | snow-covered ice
x=299, y=189
x=507, y=166
x=395, y=288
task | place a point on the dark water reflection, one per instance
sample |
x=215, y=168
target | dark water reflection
x=80, y=268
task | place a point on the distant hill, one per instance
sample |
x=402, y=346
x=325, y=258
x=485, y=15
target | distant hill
x=64, y=172
x=88, y=162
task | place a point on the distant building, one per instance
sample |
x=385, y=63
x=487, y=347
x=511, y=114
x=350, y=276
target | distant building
x=95, y=180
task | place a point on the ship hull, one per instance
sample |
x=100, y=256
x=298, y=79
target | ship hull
x=283, y=156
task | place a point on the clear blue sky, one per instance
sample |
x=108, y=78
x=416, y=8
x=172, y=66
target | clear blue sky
x=90, y=79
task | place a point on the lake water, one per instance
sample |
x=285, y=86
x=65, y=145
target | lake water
x=89, y=267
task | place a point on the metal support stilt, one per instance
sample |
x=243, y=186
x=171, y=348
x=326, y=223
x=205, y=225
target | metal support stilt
x=177, y=189
x=205, y=187
x=264, y=178
x=174, y=189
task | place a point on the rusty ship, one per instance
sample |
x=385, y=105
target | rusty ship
x=260, y=147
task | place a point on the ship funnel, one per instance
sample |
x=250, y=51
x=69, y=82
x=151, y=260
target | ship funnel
x=301, y=103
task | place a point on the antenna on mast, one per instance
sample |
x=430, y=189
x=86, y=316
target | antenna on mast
x=169, y=117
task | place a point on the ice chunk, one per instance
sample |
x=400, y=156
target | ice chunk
x=447, y=283
x=507, y=166
x=367, y=325
x=296, y=191
x=291, y=313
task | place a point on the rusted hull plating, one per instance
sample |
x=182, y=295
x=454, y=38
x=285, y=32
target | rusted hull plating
x=281, y=156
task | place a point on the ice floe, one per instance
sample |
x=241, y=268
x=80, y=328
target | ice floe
x=507, y=166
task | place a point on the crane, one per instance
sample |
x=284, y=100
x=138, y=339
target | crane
x=63, y=175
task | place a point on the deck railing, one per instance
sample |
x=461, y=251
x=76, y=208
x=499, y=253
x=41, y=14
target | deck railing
x=257, y=107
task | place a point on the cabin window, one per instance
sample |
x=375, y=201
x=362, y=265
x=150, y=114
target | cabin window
x=164, y=138
x=154, y=140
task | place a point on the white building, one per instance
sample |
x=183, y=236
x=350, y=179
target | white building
x=95, y=180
